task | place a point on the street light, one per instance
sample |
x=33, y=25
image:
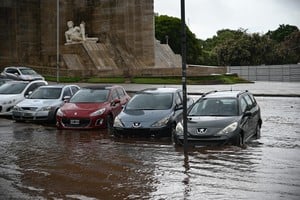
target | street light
x=57, y=41
x=183, y=54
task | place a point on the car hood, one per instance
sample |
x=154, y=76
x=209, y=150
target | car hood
x=145, y=117
x=31, y=77
x=82, y=109
x=211, y=124
x=39, y=103
x=11, y=97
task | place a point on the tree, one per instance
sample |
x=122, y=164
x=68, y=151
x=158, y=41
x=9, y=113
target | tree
x=170, y=27
x=280, y=34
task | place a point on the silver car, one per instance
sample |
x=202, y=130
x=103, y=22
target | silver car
x=21, y=73
x=43, y=103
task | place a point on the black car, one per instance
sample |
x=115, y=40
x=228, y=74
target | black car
x=151, y=112
x=221, y=117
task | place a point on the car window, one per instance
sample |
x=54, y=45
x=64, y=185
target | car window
x=33, y=86
x=74, y=89
x=121, y=92
x=114, y=95
x=243, y=105
x=150, y=101
x=46, y=93
x=28, y=71
x=12, y=71
x=12, y=88
x=248, y=100
x=67, y=92
x=86, y=95
x=178, y=99
x=215, y=107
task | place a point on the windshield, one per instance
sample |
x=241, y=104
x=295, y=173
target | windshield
x=12, y=88
x=146, y=101
x=90, y=96
x=46, y=93
x=28, y=72
x=215, y=107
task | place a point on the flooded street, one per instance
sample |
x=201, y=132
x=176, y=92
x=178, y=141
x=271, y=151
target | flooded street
x=40, y=162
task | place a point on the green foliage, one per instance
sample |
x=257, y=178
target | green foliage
x=169, y=28
x=233, y=47
x=280, y=34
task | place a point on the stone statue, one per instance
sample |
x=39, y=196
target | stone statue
x=76, y=34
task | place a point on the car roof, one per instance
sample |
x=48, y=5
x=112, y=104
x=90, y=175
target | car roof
x=224, y=94
x=55, y=86
x=18, y=67
x=159, y=90
x=100, y=87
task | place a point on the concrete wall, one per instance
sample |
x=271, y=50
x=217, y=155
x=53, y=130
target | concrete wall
x=288, y=73
x=28, y=35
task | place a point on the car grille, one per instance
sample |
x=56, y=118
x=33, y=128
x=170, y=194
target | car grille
x=29, y=108
x=83, y=122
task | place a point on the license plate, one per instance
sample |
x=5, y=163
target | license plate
x=74, y=121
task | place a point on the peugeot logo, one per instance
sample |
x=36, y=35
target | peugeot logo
x=75, y=113
x=201, y=130
x=136, y=124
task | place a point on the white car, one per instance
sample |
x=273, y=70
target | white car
x=43, y=103
x=21, y=73
x=13, y=92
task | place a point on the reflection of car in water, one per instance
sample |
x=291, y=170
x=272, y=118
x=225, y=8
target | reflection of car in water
x=222, y=117
x=150, y=112
x=43, y=103
x=92, y=107
x=21, y=73
x=13, y=92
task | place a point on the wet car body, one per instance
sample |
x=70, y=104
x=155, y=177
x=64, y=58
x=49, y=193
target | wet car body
x=21, y=73
x=233, y=119
x=92, y=107
x=14, y=92
x=43, y=103
x=156, y=115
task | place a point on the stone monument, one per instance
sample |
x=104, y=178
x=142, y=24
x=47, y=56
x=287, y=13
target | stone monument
x=76, y=34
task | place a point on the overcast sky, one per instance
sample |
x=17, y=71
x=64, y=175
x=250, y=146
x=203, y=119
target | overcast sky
x=206, y=17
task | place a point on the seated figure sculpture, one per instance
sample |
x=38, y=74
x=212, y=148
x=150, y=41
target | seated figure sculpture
x=77, y=34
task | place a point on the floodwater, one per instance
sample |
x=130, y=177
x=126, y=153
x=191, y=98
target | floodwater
x=40, y=162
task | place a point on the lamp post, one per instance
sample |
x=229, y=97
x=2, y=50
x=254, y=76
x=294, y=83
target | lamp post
x=57, y=41
x=183, y=54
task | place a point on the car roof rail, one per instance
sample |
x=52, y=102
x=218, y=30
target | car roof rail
x=213, y=91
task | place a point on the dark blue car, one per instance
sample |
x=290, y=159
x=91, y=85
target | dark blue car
x=151, y=113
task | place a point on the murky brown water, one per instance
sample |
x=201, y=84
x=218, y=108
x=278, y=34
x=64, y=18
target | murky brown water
x=40, y=162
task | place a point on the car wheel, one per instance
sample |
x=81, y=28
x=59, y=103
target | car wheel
x=258, y=133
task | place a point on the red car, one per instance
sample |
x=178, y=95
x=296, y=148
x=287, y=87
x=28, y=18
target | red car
x=92, y=107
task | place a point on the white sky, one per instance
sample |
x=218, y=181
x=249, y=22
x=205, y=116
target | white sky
x=206, y=17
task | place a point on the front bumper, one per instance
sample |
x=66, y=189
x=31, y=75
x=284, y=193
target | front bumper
x=165, y=131
x=33, y=115
x=81, y=123
x=206, y=141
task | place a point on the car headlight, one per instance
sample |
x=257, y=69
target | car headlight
x=118, y=123
x=9, y=101
x=59, y=113
x=98, y=112
x=47, y=108
x=163, y=122
x=16, y=108
x=228, y=129
x=179, y=129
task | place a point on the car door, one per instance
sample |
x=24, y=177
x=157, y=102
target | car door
x=178, y=108
x=246, y=119
x=124, y=98
x=251, y=125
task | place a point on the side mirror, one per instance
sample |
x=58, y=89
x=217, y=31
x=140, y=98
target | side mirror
x=115, y=102
x=66, y=99
x=178, y=106
x=247, y=114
